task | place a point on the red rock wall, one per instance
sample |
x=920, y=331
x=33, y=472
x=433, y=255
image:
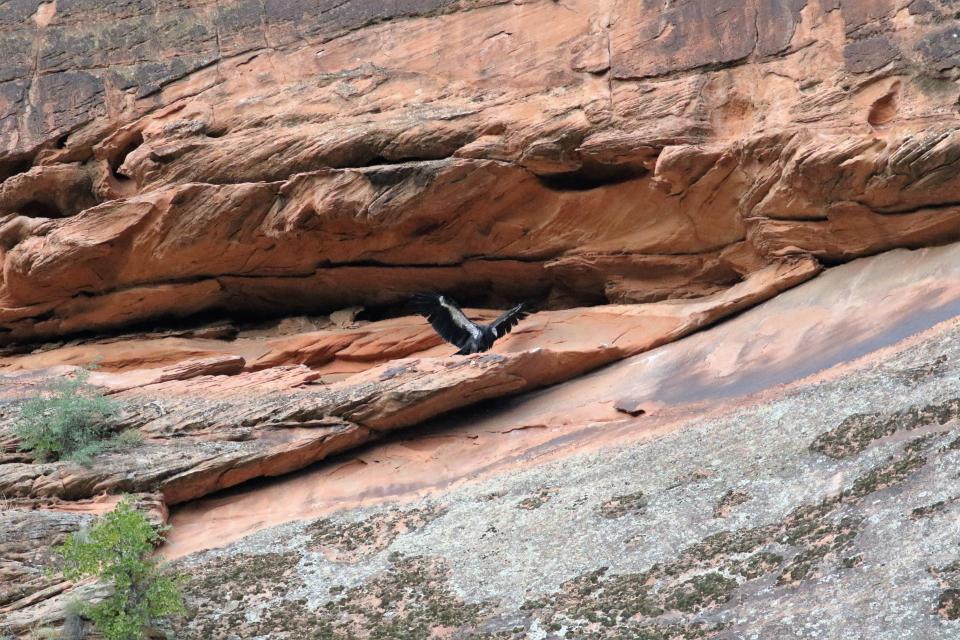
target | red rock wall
x=169, y=157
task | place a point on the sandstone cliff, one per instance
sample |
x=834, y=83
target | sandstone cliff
x=191, y=188
x=167, y=158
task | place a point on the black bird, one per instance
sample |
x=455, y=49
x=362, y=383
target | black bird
x=453, y=326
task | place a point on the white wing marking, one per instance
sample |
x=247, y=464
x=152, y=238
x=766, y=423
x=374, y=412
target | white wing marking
x=460, y=319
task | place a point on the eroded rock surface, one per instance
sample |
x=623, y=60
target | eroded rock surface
x=756, y=510
x=213, y=422
x=734, y=523
x=301, y=157
x=172, y=173
x=816, y=329
x=207, y=435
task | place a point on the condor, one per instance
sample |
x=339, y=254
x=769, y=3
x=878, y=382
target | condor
x=456, y=328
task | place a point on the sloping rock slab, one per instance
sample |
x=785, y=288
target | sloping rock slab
x=205, y=435
x=206, y=430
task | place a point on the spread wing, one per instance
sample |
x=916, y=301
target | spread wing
x=446, y=318
x=509, y=319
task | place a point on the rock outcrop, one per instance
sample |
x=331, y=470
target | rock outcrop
x=796, y=472
x=211, y=423
x=224, y=205
x=759, y=477
x=817, y=332
x=286, y=157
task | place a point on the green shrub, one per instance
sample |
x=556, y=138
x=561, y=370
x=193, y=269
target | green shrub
x=69, y=421
x=117, y=550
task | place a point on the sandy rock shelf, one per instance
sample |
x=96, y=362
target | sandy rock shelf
x=211, y=423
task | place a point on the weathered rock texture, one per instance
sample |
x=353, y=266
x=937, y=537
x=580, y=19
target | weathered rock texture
x=163, y=159
x=641, y=169
x=797, y=471
x=823, y=509
x=816, y=329
x=214, y=422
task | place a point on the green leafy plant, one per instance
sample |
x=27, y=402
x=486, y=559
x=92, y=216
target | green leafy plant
x=117, y=550
x=69, y=421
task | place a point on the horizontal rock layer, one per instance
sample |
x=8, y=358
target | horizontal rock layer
x=710, y=450
x=214, y=422
x=293, y=157
x=813, y=333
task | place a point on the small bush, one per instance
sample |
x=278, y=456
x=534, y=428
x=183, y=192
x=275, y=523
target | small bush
x=117, y=550
x=69, y=421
